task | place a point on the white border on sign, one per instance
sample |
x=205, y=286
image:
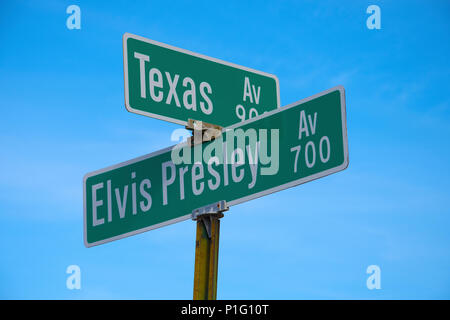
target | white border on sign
x=240, y=200
x=198, y=55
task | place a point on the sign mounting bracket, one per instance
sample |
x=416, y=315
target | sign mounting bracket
x=208, y=212
x=202, y=131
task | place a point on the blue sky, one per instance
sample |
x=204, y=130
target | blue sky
x=63, y=115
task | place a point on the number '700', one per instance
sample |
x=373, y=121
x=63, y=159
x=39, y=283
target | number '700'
x=310, y=147
x=311, y=160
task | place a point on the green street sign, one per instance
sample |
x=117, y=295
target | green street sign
x=175, y=85
x=283, y=148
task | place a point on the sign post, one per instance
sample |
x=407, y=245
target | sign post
x=252, y=149
x=207, y=250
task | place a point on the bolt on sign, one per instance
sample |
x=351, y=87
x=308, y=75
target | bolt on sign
x=173, y=84
x=283, y=148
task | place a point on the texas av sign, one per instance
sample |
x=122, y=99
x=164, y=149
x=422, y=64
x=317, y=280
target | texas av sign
x=271, y=152
x=175, y=85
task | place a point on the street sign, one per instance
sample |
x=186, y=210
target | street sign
x=175, y=85
x=283, y=148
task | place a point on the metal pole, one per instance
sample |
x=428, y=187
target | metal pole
x=208, y=225
x=206, y=257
